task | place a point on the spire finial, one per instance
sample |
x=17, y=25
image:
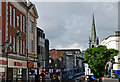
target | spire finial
x=93, y=22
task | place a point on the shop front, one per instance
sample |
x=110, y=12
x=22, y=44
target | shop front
x=3, y=65
x=32, y=67
x=17, y=70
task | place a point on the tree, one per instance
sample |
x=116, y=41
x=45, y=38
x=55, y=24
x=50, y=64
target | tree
x=97, y=58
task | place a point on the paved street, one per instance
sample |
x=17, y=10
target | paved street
x=110, y=80
x=107, y=80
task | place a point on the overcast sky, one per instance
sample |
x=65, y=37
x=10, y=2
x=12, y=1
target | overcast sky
x=68, y=24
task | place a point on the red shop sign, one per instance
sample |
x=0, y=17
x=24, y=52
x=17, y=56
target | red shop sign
x=30, y=64
x=17, y=64
x=3, y=62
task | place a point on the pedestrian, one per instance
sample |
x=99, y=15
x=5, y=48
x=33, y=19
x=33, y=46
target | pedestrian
x=43, y=77
x=119, y=77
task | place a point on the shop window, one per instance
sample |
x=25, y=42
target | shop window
x=14, y=73
x=17, y=74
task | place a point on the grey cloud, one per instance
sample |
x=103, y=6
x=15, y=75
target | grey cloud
x=68, y=23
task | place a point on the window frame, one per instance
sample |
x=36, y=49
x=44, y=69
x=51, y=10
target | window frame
x=11, y=15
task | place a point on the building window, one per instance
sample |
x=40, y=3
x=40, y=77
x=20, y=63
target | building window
x=17, y=20
x=21, y=47
x=10, y=39
x=39, y=41
x=0, y=37
x=42, y=42
x=0, y=7
x=92, y=46
x=23, y=24
x=20, y=22
x=31, y=26
x=13, y=17
x=17, y=45
x=24, y=48
x=13, y=44
x=10, y=15
x=31, y=45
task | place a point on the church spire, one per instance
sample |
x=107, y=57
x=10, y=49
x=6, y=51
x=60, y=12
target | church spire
x=93, y=22
x=93, y=41
x=93, y=31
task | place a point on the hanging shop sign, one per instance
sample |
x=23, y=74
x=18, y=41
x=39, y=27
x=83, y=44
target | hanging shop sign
x=30, y=64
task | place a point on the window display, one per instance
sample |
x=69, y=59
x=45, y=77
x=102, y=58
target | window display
x=17, y=74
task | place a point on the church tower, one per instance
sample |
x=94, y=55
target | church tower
x=93, y=40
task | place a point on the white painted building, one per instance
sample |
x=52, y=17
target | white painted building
x=113, y=42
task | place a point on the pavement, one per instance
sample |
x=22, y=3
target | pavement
x=105, y=80
x=110, y=80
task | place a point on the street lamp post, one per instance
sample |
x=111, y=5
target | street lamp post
x=27, y=67
x=5, y=46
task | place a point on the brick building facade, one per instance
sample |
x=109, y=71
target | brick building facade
x=18, y=26
x=14, y=24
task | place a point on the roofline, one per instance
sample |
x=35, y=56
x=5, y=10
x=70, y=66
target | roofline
x=110, y=36
x=40, y=29
x=68, y=50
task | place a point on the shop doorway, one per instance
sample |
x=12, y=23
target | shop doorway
x=17, y=74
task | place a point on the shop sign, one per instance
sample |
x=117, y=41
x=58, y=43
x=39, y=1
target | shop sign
x=30, y=64
x=17, y=64
x=41, y=64
x=3, y=62
x=35, y=65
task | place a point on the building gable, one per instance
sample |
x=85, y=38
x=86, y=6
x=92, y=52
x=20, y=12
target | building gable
x=33, y=11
